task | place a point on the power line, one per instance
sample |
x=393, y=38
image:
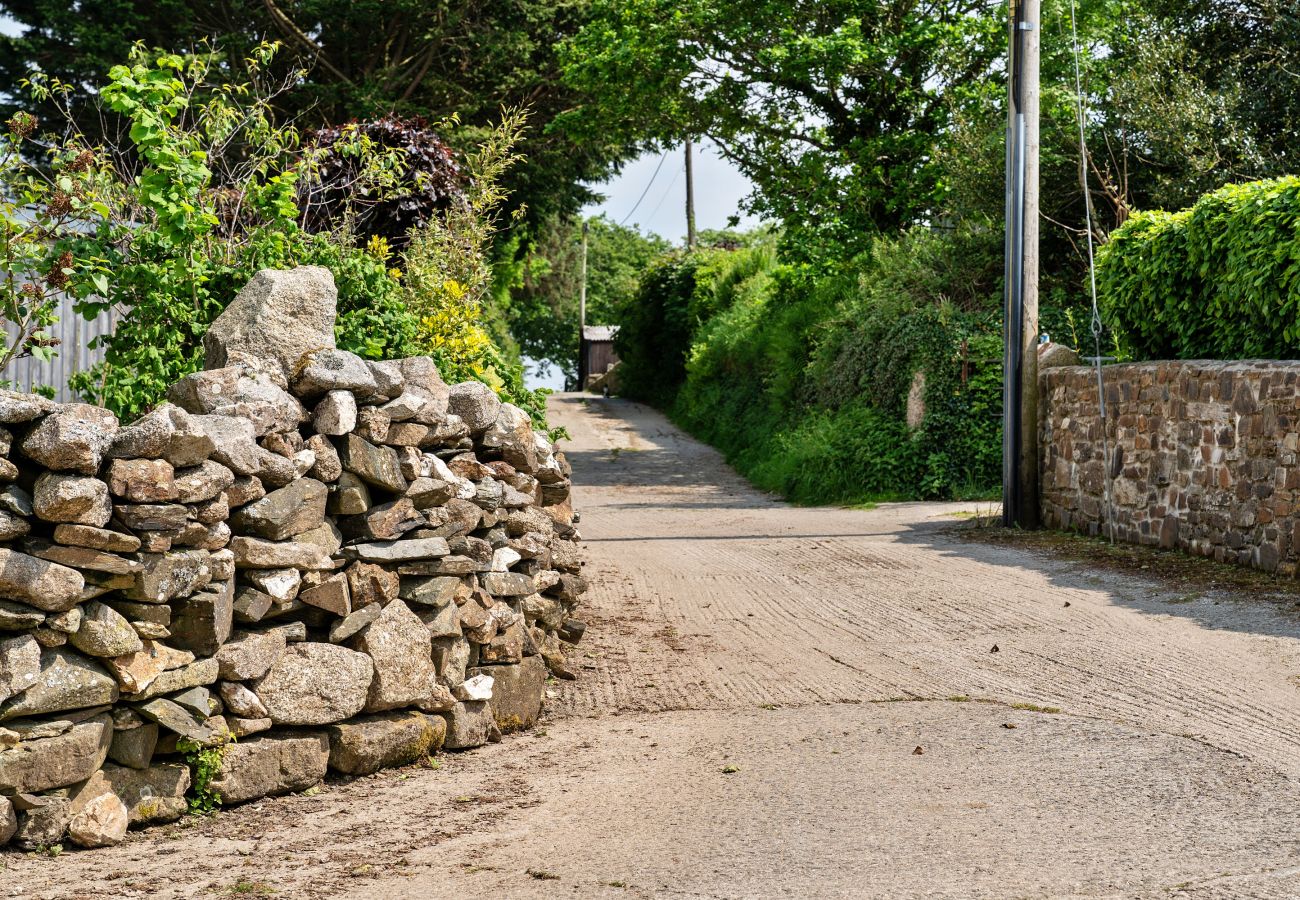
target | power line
x=647, y=189
x=668, y=190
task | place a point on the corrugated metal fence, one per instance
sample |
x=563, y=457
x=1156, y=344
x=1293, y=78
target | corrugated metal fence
x=74, y=333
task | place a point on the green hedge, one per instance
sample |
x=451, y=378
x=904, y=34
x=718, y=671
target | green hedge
x=1220, y=280
x=800, y=376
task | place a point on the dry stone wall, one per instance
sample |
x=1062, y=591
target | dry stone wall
x=342, y=564
x=1204, y=457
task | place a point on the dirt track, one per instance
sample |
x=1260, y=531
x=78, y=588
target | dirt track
x=812, y=651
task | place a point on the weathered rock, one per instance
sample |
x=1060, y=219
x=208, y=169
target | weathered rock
x=507, y=584
x=151, y=516
x=268, y=765
x=152, y=795
x=214, y=511
x=245, y=489
x=238, y=392
x=468, y=724
x=45, y=825
x=407, y=434
x=371, y=583
x=71, y=498
x=67, y=681
x=199, y=673
x=349, y=496
x=389, y=380
x=252, y=605
x=73, y=438
x=328, y=466
x=96, y=538
x=399, y=645
x=166, y=432
x=475, y=687
x=316, y=684
x=443, y=621
x=250, y=655
x=89, y=561
x=475, y=403
x=256, y=553
x=325, y=537
x=279, y=315
x=399, y=551
x=242, y=702
x=17, y=617
x=176, y=719
x=241, y=727
x=198, y=702
x=142, y=480
x=38, y=765
x=331, y=595
x=234, y=443
x=201, y=623
x=517, y=693
x=167, y=576
x=435, y=591
x=99, y=817
x=8, y=820
x=105, y=632
x=512, y=434
x=335, y=414
x=377, y=466
x=426, y=395
x=345, y=628
x=329, y=370
x=203, y=482
x=366, y=745
x=134, y=747
x=451, y=658
x=387, y=521
x=279, y=584
x=12, y=526
x=20, y=665
x=427, y=493
x=283, y=513
x=16, y=407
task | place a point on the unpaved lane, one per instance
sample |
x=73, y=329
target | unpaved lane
x=812, y=651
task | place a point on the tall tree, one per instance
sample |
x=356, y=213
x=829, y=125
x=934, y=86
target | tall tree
x=833, y=108
x=365, y=59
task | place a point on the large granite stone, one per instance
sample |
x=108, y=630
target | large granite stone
x=67, y=681
x=239, y=392
x=54, y=762
x=399, y=645
x=73, y=438
x=366, y=745
x=283, y=513
x=315, y=684
x=517, y=693
x=267, y=765
x=71, y=498
x=279, y=315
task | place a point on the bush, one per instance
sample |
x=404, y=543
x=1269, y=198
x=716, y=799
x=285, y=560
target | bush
x=801, y=377
x=1220, y=280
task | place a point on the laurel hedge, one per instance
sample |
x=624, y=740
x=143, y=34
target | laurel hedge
x=1218, y=281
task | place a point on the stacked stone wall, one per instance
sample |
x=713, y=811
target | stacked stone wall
x=306, y=560
x=1204, y=457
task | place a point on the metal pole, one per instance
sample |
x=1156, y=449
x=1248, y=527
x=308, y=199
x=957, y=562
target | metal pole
x=582, y=316
x=690, y=199
x=1020, y=361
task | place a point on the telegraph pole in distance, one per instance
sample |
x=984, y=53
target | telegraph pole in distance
x=690, y=198
x=1020, y=361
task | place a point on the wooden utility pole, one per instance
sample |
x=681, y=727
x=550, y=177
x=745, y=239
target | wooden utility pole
x=582, y=316
x=690, y=199
x=1020, y=391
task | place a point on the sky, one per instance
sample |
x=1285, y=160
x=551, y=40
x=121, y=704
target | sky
x=719, y=188
x=657, y=203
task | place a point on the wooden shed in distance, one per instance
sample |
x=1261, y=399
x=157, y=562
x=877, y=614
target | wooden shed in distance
x=597, y=355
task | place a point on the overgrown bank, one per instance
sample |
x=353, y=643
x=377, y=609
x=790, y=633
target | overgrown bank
x=804, y=377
